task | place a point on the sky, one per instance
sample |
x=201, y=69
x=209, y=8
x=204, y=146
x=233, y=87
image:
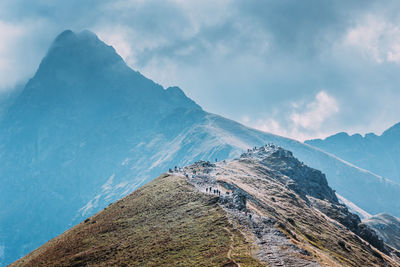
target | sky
x=301, y=69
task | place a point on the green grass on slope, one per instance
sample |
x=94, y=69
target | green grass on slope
x=165, y=223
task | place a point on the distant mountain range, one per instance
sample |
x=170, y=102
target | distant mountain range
x=376, y=153
x=87, y=130
x=265, y=208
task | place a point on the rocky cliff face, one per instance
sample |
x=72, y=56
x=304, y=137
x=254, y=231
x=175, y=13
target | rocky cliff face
x=244, y=212
x=313, y=187
x=303, y=179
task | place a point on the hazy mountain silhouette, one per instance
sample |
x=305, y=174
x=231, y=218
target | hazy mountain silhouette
x=379, y=154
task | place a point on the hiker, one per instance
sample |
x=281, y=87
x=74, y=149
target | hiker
x=250, y=216
x=245, y=213
x=210, y=189
x=207, y=190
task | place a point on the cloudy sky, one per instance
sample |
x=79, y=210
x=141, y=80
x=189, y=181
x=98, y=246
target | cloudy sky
x=302, y=69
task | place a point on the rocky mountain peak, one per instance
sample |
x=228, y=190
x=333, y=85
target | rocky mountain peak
x=305, y=180
x=79, y=52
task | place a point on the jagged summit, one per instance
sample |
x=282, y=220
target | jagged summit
x=306, y=180
x=376, y=153
x=79, y=52
x=69, y=38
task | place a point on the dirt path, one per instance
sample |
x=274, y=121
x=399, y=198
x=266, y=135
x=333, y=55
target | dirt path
x=234, y=263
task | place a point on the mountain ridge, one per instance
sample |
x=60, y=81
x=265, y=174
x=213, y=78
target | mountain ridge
x=376, y=153
x=250, y=211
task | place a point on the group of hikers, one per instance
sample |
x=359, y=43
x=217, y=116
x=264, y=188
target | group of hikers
x=210, y=189
x=214, y=191
x=176, y=169
x=218, y=192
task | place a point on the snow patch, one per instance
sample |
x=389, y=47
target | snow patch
x=125, y=162
x=354, y=208
x=90, y=205
x=108, y=185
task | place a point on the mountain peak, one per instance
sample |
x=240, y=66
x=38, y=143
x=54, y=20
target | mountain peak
x=68, y=36
x=393, y=131
x=79, y=50
x=64, y=35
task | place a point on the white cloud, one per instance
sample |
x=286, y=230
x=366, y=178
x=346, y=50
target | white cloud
x=376, y=38
x=315, y=112
x=10, y=36
x=20, y=50
x=117, y=37
x=304, y=121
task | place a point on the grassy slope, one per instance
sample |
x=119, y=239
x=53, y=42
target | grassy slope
x=165, y=223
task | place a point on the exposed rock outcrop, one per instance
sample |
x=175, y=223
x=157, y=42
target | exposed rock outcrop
x=387, y=227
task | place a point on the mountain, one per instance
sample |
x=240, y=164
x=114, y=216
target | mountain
x=378, y=154
x=7, y=97
x=387, y=227
x=87, y=130
x=265, y=208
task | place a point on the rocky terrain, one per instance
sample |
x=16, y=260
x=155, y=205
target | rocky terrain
x=387, y=227
x=265, y=208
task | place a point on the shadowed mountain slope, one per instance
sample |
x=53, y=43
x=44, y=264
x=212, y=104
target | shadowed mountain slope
x=262, y=216
x=87, y=130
